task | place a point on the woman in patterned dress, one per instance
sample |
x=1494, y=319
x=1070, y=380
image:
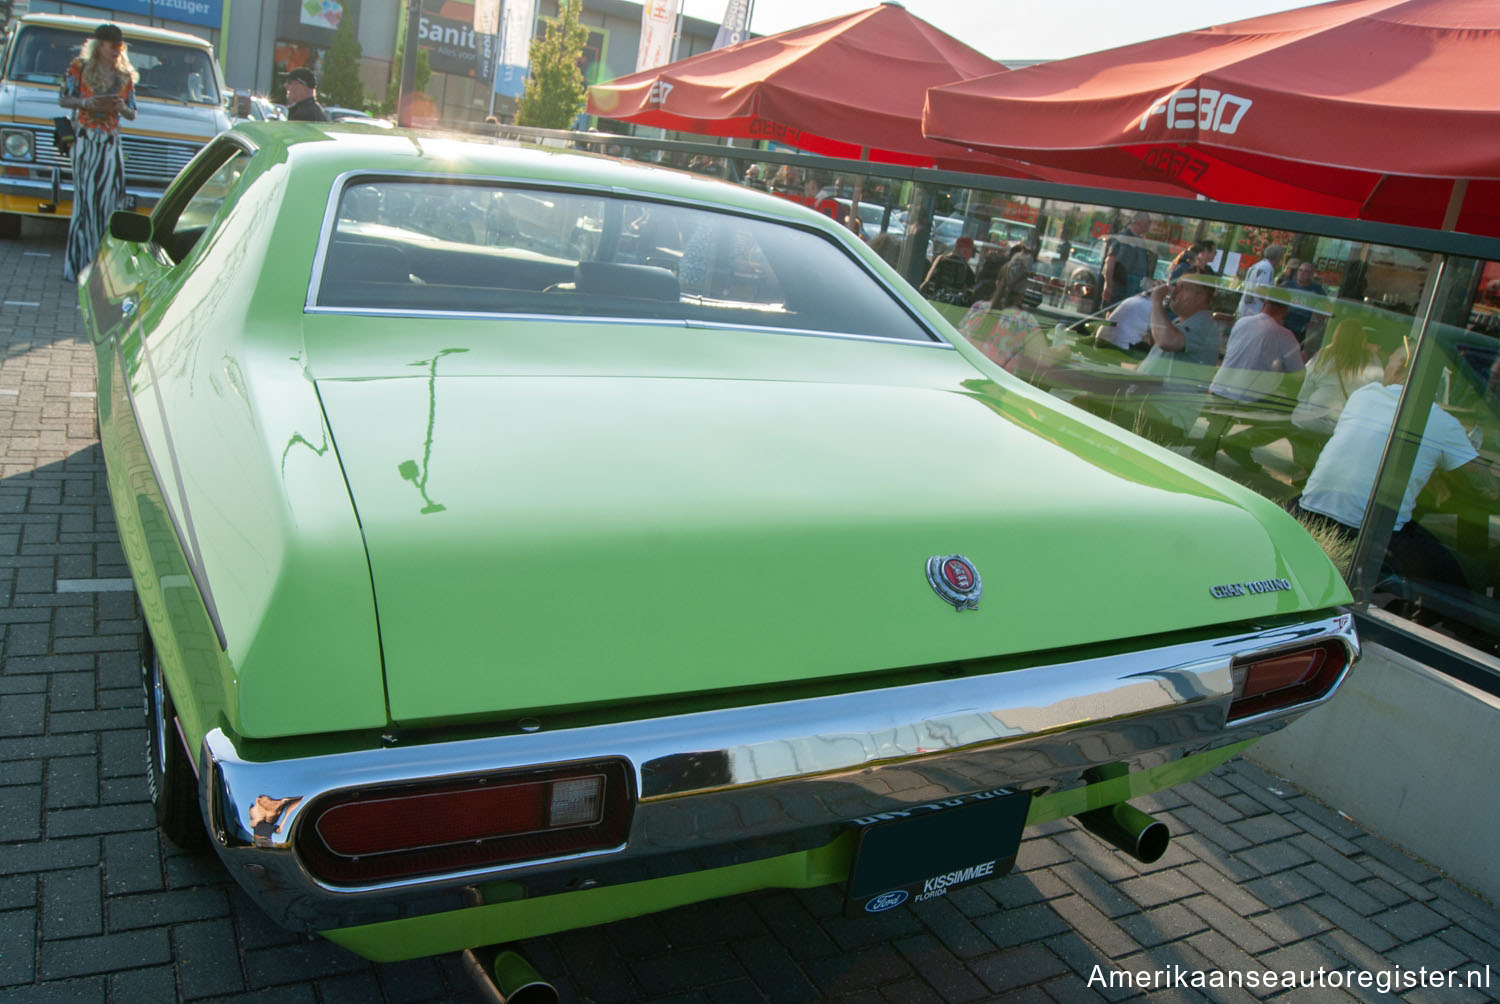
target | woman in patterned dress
x=100, y=88
x=1007, y=332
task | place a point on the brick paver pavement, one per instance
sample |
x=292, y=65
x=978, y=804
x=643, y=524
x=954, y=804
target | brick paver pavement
x=94, y=906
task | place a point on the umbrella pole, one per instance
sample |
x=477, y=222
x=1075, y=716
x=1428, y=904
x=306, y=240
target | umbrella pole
x=859, y=190
x=1455, y=203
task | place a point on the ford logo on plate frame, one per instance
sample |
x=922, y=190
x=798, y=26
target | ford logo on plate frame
x=886, y=901
x=955, y=579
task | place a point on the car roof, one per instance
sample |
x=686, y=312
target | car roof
x=139, y=32
x=359, y=148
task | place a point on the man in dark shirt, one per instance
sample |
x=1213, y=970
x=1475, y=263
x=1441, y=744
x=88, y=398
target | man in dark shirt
x=1305, y=279
x=950, y=279
x=1128, y=262
x=302, y=96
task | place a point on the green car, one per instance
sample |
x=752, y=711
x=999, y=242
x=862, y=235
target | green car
x=529, y=540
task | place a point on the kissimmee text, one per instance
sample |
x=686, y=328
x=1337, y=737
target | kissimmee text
x=938, y=884
x=1385, y=980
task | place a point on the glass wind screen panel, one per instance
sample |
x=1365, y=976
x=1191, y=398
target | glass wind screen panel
x=1280, y=364
x=1440, y=563
x=423, y=245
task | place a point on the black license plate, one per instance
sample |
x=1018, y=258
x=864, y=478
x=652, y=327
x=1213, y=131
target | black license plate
x=126, y=202
x=923, y=851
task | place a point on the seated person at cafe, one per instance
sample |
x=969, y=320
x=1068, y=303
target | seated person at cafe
x=1339, y=487
x=1342, y=366
x=1260, y=353
x=950, y=279
x=1006, y=331
x=1129, y=324
x=1304, y=280
x=1196, y=257
x=1260, y=356
x=1183, y=356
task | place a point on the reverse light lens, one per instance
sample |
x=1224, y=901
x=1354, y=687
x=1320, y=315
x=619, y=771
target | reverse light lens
x=576, y=802
x=398, y=831
x=1285, y=679
x=18, y=145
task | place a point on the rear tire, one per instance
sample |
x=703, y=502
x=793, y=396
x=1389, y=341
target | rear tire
x=169, y=775
x=10, y=225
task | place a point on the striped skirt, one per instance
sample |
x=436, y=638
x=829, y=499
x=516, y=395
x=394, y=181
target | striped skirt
x=98, y=184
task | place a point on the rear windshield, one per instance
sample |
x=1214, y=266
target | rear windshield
x=430, y=245
x=40, y=55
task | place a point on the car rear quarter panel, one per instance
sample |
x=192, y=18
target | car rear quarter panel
x=209, y=381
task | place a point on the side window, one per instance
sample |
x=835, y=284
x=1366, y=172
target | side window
x=181, y=222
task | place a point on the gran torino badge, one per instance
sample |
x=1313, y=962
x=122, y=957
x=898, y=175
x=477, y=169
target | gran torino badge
x=955, y=579
x=1229, y=589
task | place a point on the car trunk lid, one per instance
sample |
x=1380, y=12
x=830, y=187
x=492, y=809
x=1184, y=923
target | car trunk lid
x=558, y=540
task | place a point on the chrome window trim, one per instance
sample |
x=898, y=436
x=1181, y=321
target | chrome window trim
x=342, y=181
x=645, y=321
x=791, y=773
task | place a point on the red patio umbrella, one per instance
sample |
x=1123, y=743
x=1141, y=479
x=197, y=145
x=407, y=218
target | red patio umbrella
x=850, y=86
x=1374, y=109
x=838, y=87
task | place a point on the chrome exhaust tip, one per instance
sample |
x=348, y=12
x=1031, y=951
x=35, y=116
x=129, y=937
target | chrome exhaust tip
x=1128, y=828
x=503, y=976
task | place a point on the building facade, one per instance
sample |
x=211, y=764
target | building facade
x=258, y=41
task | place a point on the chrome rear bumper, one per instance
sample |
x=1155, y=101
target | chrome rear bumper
x=740, y=784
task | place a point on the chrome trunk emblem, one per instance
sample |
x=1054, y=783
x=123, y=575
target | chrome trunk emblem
x=955, y=579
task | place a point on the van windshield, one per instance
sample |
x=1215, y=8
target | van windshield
x=40, y=55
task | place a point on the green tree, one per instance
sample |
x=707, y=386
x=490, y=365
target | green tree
x=392, y=93
x=340, y=84
x=555, y=93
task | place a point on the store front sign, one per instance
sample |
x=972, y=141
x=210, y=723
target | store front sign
x=207, y=13
x=455, y=47
x=321, y=13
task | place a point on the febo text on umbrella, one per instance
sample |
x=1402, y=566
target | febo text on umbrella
x=1199, y=108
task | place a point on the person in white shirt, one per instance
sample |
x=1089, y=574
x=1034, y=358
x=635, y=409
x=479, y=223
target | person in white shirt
x=1339, y=488
x=1130, y=323
x=1262, y=273
x=1260, y=353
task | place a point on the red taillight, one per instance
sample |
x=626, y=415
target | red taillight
x=377, y=834
x=1284, y=679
